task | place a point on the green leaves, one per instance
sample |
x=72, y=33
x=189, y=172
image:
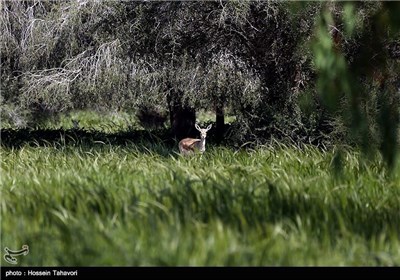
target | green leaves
x=330, y=65
x=348, y=82
x=349, y=18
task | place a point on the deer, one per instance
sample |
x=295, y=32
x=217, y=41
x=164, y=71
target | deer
x=189, y=146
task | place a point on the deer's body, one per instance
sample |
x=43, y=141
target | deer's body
x=189, y=146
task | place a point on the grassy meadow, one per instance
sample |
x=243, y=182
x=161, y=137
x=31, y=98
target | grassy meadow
x=140, y=204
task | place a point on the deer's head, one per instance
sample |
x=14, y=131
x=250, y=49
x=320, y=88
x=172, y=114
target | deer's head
x=203, y=131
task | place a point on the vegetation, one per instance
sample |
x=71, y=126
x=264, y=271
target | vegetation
x=103, y=204
x=301, y=164
x=303, y=71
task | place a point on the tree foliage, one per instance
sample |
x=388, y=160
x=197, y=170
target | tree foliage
x=357, y=64
x=304, y=71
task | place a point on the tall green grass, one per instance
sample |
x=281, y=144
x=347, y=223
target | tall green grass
x=97, y=121
x=123, y=205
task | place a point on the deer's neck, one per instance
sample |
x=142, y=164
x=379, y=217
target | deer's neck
x=203, y=144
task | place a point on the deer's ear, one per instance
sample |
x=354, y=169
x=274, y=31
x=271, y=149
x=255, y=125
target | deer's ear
x=197, y=127
x=209, y=127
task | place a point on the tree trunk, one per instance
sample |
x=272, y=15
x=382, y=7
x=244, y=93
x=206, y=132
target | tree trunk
x=219, y=123
x=182, y=118
x=170, y=108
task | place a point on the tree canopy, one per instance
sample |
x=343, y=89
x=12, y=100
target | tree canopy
x=305, y=71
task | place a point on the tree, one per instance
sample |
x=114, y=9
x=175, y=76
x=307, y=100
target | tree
x=357, y=72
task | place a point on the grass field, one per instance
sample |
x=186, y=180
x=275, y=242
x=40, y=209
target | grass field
x=101, y=205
